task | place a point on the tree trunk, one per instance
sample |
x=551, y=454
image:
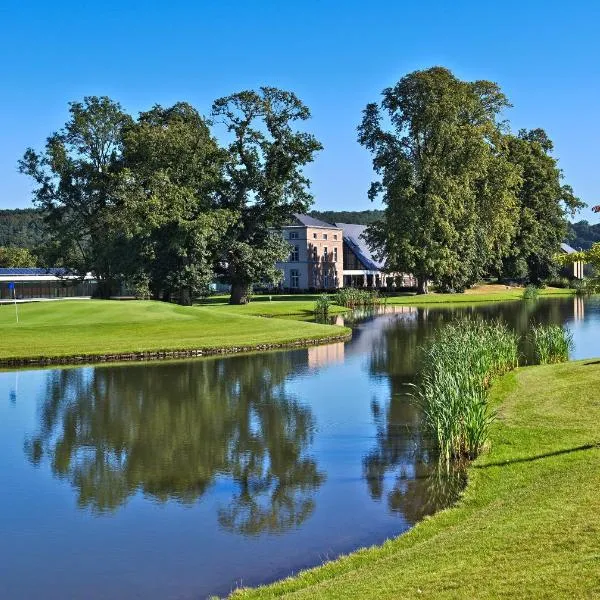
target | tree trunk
x=422, y=285
x=185, y=297
x=240, y=293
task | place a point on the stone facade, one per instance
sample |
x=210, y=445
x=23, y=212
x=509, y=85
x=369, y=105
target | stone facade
x=316, y=258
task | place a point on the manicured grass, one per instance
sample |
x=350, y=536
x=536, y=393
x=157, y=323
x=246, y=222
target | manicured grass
x=304, y=304
x=528, y=524
x=481, y=294
x=91, y=327
x=273, y=306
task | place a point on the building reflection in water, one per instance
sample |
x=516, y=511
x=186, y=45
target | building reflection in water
x=319, y=356
x=578, y=308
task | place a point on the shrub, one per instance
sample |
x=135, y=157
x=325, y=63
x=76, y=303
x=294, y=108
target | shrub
x=531, y=292
x=559, y=282
x=586, y=287
x=357, y=298
x=458, y=365
x=551, y=343
x=322, y=305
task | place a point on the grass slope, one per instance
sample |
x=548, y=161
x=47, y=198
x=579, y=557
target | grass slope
x=303, y=304
x=68, y=328
x=484, y=293
x=527, y=526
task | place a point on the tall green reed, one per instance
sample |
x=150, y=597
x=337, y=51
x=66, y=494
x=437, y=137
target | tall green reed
x=357, y=298
x=551, y=343
x=458, y=365
x=322, y=305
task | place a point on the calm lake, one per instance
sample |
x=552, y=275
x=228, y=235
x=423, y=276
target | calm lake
x=190, y=478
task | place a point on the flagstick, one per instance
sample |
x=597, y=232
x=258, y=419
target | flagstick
x=16, y=306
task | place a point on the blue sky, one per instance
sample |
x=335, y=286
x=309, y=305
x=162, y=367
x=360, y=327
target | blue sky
x=336, y=56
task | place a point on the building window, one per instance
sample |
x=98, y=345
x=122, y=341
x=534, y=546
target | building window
x=293, y=235
x=335, y=236
x=335, y=256
x=295, y=255
x=315, y=254
x=326, y=281
x=314, y=236
x=294, y=278
x=325, y=257
x=324, y=236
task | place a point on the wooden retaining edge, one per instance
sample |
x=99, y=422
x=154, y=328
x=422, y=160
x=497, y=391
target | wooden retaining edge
x=148, y=355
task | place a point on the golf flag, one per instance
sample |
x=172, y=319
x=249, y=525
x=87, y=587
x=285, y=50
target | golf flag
x=11, y=288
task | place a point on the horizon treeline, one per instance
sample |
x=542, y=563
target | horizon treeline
x=172, y=201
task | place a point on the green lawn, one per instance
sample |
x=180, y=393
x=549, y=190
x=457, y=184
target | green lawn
x=303, y=304
x=528, y=525
x=272, y=306
x=92, y=327
x=482, y=294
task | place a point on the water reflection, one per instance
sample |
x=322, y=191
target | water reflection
x=172, y=430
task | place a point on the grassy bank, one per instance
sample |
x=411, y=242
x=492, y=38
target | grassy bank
x=96, y=327
x=527, y=526
x=484, y=293
x=304, y=304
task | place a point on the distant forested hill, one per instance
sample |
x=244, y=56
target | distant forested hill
x=21, y=227
x=583, y=235
x=363, y=217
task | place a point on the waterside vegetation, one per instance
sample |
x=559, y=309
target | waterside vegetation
x=458, y=365
x=551, y=343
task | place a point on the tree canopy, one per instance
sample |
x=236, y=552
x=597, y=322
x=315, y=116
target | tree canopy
x=13, y=256
x=265, y=182
x=463, y=196
x=544, y=203
x=158, y=204
x=75, y=179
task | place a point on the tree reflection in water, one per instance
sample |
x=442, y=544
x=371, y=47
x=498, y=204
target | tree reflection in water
x=171, y=430
x=421, y=485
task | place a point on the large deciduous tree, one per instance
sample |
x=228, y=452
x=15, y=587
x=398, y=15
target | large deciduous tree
x=75, y=179
x=264, y=183
x=12, y=256
x=448, y=189
x=174, y=173
x=544, y=204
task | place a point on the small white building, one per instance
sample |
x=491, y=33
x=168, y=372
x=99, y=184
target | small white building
x=33, y=283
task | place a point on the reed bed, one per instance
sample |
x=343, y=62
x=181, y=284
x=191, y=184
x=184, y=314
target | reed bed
x=551, y=343
x=458, y=365
x=322, y=305
x=357, y=298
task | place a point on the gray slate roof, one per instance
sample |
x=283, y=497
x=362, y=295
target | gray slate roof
x=567, y=249
x=353, y=236
x=311, y=221
x=32, y=271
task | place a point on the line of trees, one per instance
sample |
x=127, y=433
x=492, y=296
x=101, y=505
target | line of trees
x=464, y=197
x=158, y=203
